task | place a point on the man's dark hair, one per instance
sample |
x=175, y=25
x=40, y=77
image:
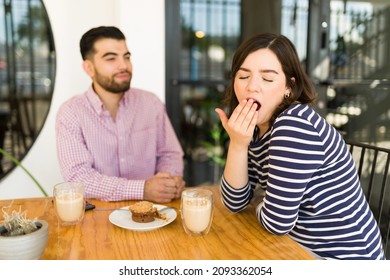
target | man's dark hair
x=91, y=36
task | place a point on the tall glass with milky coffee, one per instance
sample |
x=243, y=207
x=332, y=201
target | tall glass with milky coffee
x=69, y=202
x=197, y=206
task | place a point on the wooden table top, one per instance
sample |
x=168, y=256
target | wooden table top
x=232, y=236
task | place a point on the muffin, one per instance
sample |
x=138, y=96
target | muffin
x=143, y=212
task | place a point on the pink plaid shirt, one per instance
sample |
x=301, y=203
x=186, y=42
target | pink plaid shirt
x=114, y=158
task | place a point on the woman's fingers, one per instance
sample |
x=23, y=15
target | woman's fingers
x=241, y=124
x=243, y=116
x=222, y=116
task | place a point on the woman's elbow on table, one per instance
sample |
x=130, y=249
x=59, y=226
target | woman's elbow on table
x=233, y=208
x=275, y=228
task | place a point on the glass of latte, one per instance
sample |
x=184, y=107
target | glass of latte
x=196, y=208
x=69, y=202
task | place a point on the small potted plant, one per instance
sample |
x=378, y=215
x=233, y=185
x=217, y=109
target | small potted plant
x=20, y=237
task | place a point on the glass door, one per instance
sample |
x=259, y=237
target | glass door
x=343, y=45
x=206, y=34
x=358, y=87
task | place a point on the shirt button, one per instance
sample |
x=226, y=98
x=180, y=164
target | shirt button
x=122, y=160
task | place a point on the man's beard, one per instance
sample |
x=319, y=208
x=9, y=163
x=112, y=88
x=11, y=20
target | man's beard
x=110, y=85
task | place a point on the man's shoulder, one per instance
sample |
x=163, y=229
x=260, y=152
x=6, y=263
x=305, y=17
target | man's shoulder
x=72, y=103
x=75, y=99
x=143, y=95
x=144, y=92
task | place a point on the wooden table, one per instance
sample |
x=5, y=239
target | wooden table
x=232, y=236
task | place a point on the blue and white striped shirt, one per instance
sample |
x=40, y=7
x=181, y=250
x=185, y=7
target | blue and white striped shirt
x=312, y=188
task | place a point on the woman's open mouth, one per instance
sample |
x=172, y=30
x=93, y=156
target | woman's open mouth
x=256, y=103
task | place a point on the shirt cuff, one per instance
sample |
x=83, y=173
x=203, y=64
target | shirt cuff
x=134, y=190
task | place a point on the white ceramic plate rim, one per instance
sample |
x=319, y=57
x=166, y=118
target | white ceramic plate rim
x=123, y=219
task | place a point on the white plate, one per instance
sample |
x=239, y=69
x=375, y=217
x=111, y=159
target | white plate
x=123, y=219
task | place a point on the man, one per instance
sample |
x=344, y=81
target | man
x=115, y=139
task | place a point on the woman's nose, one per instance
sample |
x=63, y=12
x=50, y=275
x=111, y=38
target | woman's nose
x=254, y=84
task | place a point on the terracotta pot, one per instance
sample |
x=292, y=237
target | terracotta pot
x=24, y=247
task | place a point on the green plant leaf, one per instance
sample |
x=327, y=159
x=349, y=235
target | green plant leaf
x=18, y=163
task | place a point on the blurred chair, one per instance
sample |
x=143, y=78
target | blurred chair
x=372, y=164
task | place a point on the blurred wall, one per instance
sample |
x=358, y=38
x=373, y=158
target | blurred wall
x=144, y=28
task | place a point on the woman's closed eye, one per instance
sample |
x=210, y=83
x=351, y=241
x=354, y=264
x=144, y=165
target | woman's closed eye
x=268, y=80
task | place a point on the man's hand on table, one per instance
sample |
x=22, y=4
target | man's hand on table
x=163, y=187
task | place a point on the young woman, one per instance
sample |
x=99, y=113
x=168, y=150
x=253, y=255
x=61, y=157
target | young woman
x=280, y=148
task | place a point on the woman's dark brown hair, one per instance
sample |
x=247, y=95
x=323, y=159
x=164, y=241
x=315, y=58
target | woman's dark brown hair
x=302, y=89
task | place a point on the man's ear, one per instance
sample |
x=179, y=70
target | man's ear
x=88, y=68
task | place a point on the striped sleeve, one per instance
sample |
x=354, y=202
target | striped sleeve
x=295, y=153
x=235, y=199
